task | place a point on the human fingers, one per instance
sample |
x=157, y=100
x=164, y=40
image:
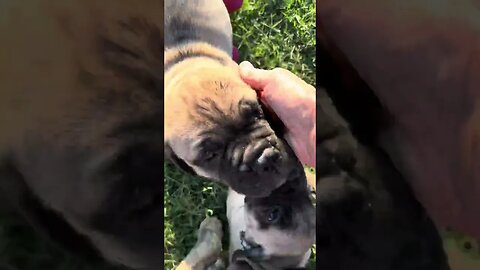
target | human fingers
x=256, y=78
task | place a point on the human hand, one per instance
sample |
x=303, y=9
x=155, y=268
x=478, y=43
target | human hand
x=292, y=100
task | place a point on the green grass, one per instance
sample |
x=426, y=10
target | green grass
x=269, y=34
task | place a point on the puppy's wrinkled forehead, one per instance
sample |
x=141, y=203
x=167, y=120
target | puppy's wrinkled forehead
x=212, y=98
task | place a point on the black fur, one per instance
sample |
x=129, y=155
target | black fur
x=186, y=54
x=292, y=198
x=367, y=216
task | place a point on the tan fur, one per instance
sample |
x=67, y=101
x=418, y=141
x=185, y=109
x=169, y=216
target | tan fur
x=195, y=78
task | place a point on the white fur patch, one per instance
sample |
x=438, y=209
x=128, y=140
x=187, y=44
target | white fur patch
x=236, y=219
x=274, y=242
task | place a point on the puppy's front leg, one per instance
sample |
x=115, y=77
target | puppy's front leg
x=208, y=246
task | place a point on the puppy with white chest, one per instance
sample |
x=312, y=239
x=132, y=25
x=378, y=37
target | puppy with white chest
x=271, y=233
x=275, y=232
x=214, y=123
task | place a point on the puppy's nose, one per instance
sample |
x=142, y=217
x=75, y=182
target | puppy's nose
x=267, y=160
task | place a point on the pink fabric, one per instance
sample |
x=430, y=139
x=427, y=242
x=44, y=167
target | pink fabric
x=235, y=54
x=233, y=5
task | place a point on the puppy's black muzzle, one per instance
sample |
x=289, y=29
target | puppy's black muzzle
x=261, y=165
x=257, y=160
x=262, y=157
x=267, y=161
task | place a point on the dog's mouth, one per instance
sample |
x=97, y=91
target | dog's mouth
x=289, y=187
x=261, y=158
x=263, y=154
x=273, y=183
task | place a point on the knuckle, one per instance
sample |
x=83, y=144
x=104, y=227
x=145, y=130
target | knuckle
x=278, y=70
x=279, y=73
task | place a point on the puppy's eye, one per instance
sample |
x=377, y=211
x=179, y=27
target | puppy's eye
x=208, y=149
x=257, y=113
x=251, y=109
x=209, y=155
x=274, y=215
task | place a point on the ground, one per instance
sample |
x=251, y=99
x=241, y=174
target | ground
x=269, y=34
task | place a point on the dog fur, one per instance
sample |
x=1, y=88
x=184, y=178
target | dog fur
x=80, y=103
x=285, y=242
x=367, y=216
x=215, y=126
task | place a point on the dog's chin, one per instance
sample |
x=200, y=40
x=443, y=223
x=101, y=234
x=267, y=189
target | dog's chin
x=255, y=186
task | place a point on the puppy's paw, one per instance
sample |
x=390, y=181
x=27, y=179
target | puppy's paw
x=209, y=244
x=218, y=265
x=210, y=225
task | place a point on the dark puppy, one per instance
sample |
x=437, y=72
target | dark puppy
x=81, y=98
x=214, y=124
x=367, y=217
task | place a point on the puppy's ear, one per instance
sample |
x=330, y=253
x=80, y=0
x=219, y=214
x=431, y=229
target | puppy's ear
x=170, y=155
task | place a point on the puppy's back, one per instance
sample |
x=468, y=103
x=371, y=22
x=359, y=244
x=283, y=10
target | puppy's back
x=198, y=20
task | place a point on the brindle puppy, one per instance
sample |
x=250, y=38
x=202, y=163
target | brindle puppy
x=81, y=106
x=214, y=124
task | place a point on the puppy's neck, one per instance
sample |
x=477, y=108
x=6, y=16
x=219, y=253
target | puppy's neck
x=182, y=62
x=203, y=52
x=197, y=20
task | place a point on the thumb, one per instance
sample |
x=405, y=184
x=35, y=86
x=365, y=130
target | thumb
x=256, y=78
